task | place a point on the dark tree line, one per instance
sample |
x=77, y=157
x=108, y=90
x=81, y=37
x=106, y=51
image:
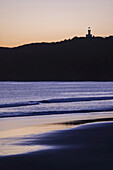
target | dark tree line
x=75, y=59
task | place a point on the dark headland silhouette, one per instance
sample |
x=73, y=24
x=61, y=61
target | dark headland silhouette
x=79, y=59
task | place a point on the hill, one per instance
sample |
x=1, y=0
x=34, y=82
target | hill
x=78, y=59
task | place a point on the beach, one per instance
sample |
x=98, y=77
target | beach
x=59, y=145
x=56, y=125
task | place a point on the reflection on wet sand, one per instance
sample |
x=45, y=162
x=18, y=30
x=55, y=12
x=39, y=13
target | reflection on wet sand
x=11, y=147
x=33, y=130
x=10, y=142
x=13, y=132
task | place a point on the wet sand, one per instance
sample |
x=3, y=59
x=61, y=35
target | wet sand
x=88, y=146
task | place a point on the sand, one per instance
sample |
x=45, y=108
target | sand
x=85, y=147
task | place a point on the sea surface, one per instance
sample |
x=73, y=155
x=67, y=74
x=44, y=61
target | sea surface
x=18, y=99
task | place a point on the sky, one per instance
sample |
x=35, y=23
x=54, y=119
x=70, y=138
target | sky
x=30, y=21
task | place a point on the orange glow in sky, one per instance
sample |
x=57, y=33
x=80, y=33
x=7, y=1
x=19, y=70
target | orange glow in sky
x=26, y=21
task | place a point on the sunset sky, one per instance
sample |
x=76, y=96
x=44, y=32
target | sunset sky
x=27, y=21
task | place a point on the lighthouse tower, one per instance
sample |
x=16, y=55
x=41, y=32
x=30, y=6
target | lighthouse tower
x=89, y=35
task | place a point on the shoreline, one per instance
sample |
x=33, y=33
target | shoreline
x=87, y=146
x=18, y=126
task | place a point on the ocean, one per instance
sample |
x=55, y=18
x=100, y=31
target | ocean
x=18, y=99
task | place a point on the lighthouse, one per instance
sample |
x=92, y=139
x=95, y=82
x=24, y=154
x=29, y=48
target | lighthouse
x=89, y=35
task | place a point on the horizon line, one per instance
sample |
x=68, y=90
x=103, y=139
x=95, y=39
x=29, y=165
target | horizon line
x=57, y=41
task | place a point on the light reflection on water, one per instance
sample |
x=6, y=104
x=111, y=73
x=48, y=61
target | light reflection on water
x=15, y=131
x=33, y=130
x=11, y=140
x=10, y=147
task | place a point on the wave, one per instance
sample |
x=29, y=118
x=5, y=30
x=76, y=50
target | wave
x=57, y=100
x=23, y=114
x=78, y=99
x=18, y=104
